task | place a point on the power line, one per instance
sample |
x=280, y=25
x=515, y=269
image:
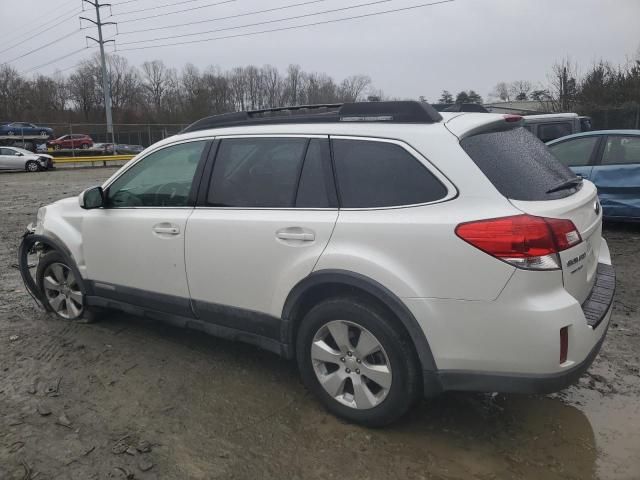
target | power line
x=173, y=13
x=333, y=10
x=246, y=14
x=294, y=27
x=37, y=49
x=62, y=57
x=37, y=27
x=39, y=32
x=155, y=7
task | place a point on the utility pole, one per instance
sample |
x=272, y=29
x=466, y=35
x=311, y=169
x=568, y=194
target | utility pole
x=106, y=87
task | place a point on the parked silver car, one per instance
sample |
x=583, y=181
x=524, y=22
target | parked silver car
x=14, y=158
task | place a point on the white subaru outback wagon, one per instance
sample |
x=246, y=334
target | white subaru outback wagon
x=392, y=252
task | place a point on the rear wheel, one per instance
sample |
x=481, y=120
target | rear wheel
x=57, y=147
x=85, y=146
x=357, y=361
x=32, y=166
x=61, y=289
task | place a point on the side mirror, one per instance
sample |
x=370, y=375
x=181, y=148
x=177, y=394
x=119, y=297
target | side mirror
x=19, y=154
x=91, y=198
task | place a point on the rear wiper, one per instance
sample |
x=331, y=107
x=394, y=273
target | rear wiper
x=566, y=184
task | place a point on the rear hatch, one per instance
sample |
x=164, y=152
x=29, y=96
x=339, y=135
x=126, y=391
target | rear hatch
x=524, y=171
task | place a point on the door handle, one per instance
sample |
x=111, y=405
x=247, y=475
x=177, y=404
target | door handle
x=166, y=229
x=296, y=233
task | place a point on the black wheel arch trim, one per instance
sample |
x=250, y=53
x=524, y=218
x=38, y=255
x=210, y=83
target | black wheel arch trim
x=29, y=240
x=370, y=286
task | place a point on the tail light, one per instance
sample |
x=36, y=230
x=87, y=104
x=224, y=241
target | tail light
x=524, y=241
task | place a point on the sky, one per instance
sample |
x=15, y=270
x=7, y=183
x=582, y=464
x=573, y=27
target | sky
x=457, y=45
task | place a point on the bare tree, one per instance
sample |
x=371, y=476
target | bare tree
x=352, y=88
x=157, y=79
x=520, y=89
x=502, y=91
x=563, y=85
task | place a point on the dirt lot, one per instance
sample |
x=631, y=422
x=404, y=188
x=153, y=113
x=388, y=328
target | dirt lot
x=128, y=398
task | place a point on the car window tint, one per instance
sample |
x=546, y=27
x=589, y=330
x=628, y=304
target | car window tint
x=256, y=172
x=621, y=150
x=574, y=153
x=519, y=165
x=316, y=183
x=161, y=179
x=551, y=131
x=380, y=174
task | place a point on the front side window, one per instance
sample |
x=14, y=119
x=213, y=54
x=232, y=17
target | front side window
x=256, y=172
x=551, y=131
x=375, y=174
x=161, y=179
x=574, y=153
x=621, y=150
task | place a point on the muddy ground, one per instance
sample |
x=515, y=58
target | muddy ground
x=129, y=398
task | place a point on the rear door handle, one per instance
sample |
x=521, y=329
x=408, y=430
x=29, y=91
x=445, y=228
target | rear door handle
x=296, y=233
x=166, y=229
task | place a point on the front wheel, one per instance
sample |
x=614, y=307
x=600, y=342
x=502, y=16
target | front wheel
x=61, y=291
x=32, y=166
x=358, y=361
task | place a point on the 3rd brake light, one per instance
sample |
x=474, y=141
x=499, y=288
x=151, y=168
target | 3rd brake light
x=525, y=241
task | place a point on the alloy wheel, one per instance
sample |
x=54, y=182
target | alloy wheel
x=351, y=364
x=62, y=291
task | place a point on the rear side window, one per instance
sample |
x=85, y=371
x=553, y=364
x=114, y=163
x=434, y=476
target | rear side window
x=574, y=153
x=621, y=150
x=257, y=172
x=519, y=165
x=551, y=131
x=379, y=174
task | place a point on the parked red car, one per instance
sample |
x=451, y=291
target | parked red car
x=76, y=140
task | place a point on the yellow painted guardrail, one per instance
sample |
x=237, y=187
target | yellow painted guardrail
x=100, y=158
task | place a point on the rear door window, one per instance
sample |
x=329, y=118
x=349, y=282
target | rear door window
x=257, y=172
x=575, y=153
x=551, y=131
x=621, y=150
x=375, y=174
x=519, y=165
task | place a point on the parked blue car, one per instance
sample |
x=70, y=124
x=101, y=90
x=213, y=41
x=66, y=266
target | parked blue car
x=19, y=129
x=611, y=160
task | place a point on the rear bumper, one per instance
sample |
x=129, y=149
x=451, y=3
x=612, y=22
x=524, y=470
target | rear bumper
x=512, y=345
x=514, y=383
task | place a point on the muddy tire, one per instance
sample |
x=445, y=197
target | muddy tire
x=357, y=361
x=62, y=292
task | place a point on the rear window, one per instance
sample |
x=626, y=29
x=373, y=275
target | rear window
x=518, y=164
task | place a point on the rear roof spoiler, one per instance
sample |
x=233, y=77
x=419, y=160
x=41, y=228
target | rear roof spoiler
x=469, y=124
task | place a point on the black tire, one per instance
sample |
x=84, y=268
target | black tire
x=405, y=388
x=32, y=166
x=49, y=258
x=57, y=147
x=85, y=146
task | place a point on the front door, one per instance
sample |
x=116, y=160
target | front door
x=134, y=247
x=10, y=159
x=578, y=154
x=259, y=228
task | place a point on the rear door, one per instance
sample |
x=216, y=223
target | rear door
x=579, y=154
x=260, y=226
x=617, y=176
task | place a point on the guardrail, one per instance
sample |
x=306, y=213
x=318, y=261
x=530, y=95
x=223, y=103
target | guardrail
x=99, y=158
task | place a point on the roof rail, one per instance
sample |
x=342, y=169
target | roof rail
x=396, y=112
